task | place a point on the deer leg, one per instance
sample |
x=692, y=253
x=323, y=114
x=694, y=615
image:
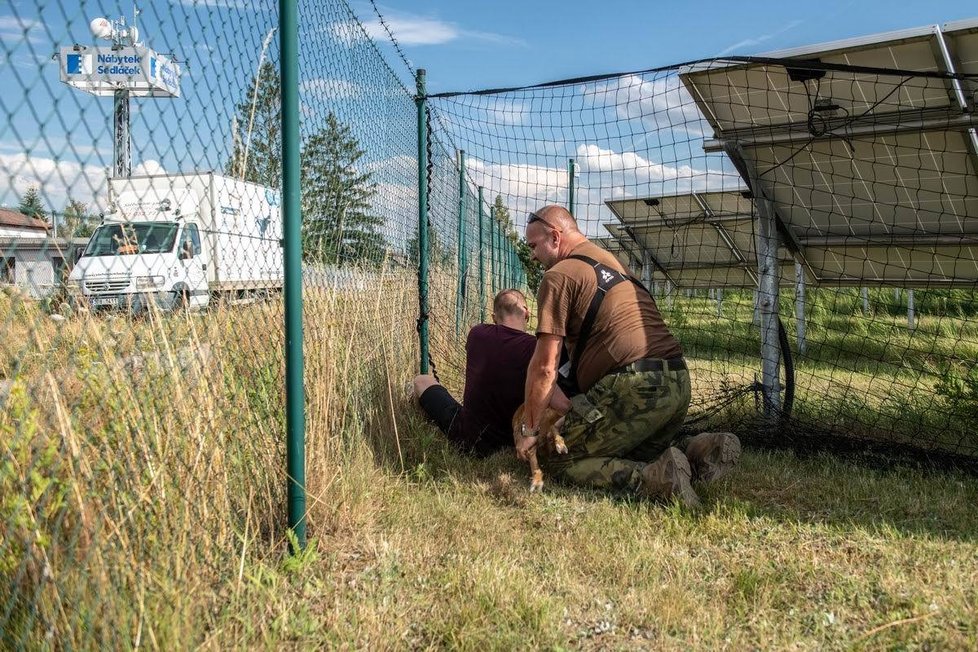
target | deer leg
x=536, y=475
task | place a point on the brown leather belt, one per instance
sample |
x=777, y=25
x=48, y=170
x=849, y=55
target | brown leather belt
x=651, y=364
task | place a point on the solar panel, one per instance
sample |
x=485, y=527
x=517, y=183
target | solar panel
x=694, y=240
x=871, y=174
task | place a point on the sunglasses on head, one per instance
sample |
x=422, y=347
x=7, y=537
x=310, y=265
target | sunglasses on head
x=536, y=218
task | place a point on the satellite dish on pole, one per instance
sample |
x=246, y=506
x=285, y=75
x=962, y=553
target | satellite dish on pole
x=101, y=28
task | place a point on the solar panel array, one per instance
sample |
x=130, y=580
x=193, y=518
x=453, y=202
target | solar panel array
x=871, y=166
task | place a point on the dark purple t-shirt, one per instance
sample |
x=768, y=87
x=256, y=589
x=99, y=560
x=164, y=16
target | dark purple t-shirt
x=497, y=358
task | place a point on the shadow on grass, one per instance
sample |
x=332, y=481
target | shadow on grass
x=819, y=489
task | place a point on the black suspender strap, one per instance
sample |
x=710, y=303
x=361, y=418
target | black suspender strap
x=607, y=278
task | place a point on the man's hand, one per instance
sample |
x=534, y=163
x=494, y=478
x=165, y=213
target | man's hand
x=526, y=444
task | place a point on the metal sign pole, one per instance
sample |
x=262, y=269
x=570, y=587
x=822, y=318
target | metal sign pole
x=122, y=166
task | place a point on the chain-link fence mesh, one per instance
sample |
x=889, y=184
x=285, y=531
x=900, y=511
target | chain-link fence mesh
x=142, y=422
x=142, y=397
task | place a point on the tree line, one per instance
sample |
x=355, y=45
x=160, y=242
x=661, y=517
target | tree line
x=338, y=225
x=338, y=222
x=75, y=221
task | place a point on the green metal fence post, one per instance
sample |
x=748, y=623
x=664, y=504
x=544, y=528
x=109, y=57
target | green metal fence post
x=423, y=252
x=291, y=230
x=570, y=186
x=494, y=270
x=482, y=259
x=462, y=258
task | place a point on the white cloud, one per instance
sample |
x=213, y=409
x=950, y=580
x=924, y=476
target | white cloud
x=661, y=103
x=148, y=167
x=507, y=112
x=412, y=29
x=347, y=32
x=56, y=180
x=595, y=159
x=523, y=187
x=330, y=88
x=757, y=40
x=628, y=169
x=15, y=30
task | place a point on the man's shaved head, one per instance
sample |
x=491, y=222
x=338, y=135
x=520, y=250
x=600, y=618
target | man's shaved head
x=551, y=234
x=557, y=217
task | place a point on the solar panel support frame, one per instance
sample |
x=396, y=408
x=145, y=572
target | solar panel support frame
x=800, y=306
x=715, y=222
x=794, y=133
x=735, y=152
x=947, y=61
x=768, y=271
x=644, y=252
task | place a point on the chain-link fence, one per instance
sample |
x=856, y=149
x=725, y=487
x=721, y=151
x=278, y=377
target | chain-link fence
x=142, y=364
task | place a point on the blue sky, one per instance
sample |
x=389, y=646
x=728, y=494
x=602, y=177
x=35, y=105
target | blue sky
x=59, y=138
x=468, y=45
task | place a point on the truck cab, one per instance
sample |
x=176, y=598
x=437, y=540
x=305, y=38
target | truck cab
x=148, y=251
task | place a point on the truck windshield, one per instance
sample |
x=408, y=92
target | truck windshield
x=132, y=238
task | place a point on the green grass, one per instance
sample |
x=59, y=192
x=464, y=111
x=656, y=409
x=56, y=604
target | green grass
x=866, y=376
x=143, y=505
x=811, y=554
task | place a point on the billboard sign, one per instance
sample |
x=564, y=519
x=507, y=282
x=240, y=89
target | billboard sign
x=104, y=70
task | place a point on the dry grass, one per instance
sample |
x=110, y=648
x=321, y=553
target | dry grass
x=142, y=503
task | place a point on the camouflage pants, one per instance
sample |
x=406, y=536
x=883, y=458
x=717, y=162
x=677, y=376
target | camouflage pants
x=622, y=423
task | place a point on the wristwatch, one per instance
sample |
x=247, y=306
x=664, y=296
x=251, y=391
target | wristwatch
x=526, y=432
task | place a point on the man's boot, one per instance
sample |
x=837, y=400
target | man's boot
x=712, y=455
x=669, y=475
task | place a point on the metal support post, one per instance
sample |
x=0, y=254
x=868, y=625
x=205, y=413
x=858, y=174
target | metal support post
x=423, y=245
x=570, y=186
x=719, y=298
x=669, y=295
x=911, y=314
x=864, y=292
x=122, y=145
x=767, y=298
x=295, y=394
x=493, y=268
x=647, y=270
x=800, y=306
x=482, y=260
x=462, y=254
x=757, y=307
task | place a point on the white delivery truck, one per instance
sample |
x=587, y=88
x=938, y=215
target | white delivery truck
x=180, y=239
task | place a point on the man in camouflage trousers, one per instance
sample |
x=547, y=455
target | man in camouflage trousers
x=628, y=382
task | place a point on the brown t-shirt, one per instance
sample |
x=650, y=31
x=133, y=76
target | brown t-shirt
x=627, y=327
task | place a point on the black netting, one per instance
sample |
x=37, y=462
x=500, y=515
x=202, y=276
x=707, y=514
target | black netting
x=864, y=180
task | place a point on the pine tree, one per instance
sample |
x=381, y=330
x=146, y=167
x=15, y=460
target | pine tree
x=30, y=204
x=257, y=153
x=438, y=253
x=76, y=221
x=533, y=268
x=337, y=225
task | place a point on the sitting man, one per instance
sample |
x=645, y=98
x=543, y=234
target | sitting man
x=632, y=382
x=496, y=357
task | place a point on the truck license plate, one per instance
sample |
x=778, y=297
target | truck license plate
x=104, y=301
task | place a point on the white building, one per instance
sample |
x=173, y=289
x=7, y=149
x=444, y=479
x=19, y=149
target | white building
x=30, y=259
